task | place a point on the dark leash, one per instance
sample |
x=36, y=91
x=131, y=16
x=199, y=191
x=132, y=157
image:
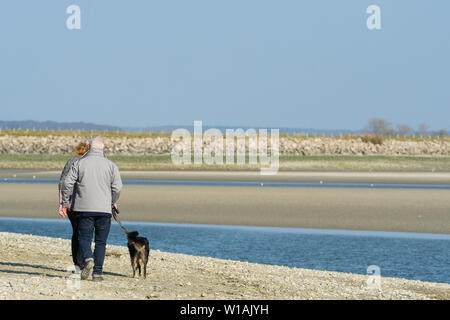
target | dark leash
x=115, y=212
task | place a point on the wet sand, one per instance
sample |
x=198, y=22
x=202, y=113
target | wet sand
x=411, y=210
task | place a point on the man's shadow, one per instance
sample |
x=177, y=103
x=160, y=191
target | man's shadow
x=24, y=265
x=15, y=264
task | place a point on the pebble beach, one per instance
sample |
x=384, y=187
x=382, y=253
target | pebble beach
x=294, y=145
x=35, y=267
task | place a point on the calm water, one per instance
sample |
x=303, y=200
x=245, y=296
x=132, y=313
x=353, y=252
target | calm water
x=405, y=255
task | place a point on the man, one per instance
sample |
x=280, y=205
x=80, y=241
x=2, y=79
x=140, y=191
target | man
x=98, y=188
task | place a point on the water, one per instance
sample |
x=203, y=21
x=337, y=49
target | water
x=248, y=184
x=414, y=256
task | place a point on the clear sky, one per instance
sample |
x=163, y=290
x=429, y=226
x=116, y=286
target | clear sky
x=261, y=63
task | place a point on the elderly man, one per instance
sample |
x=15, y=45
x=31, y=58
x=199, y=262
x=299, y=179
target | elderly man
x=98, y=188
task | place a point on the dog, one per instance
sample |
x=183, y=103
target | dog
x=138, y=247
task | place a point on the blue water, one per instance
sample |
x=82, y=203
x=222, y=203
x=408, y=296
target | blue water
x=248, y=184
x=398, y=254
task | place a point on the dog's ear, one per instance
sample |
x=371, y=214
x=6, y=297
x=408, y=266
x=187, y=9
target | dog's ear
x=133, y=234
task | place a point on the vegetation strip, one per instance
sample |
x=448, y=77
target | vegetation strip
x=287, y=162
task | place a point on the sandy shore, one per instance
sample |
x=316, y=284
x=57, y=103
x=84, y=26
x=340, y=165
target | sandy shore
x=409, y=210
x=33, y=267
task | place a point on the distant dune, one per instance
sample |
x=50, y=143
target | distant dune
x=83, y=126
x=53, y=125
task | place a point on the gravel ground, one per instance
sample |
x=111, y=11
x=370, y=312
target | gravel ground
x=299, y=145
x=33, y=267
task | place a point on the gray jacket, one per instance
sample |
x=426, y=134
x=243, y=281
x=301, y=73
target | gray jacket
x=98, y=183
x=64, y=173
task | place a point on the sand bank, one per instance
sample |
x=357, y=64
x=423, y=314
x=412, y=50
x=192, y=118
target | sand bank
x=409, y=210
x=33, y=267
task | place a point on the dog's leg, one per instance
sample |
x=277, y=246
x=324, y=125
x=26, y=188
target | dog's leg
x=139, y=267
x=145, y=269
x=133, y=266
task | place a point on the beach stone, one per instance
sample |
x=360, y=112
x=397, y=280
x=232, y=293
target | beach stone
x=297, y=145
x=220, y=279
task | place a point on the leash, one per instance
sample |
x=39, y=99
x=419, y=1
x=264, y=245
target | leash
x=115, y=212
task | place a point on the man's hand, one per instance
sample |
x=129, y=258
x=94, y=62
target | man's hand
x=117, y=209
x=63, y=211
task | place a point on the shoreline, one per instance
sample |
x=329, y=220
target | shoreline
x=31, y=271
x=312, y=231
x=328, y=176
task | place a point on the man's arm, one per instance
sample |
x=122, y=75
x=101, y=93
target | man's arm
x=116, y=185
x=68, y=184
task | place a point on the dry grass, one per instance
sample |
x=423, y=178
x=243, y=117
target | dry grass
x=287, y=162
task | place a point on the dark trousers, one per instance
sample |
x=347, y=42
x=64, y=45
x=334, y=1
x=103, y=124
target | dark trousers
x=87, y=226
x=76, y=252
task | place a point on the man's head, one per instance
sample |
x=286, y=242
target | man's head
x=97, y=143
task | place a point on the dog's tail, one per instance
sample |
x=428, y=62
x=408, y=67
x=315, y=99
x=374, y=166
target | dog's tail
x=115, y=211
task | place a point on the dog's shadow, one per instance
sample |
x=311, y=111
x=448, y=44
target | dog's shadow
x=115, y=274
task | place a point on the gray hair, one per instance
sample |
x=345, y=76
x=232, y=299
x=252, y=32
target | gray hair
x=97, y=143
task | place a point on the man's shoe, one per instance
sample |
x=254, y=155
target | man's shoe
x=97, y=277
x=86, y=272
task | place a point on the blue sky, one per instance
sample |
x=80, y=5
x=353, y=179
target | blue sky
x=261, y=63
